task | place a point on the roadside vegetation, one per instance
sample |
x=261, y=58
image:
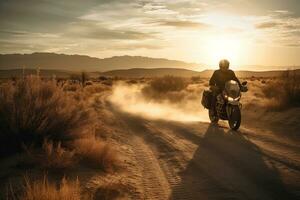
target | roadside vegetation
x=52, y=125
x=166, y=88
x=57, y=125
x=284, y=92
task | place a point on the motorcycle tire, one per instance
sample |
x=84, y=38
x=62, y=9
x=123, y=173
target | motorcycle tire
x=235, y=118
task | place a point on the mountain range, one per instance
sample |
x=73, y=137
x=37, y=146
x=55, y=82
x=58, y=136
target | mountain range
x=86, y=63
x=62, y=65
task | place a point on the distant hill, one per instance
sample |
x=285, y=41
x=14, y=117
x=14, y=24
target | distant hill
x=247, y=74
x=80, y=62
x=138, y=73
x=158, y=72
x=154, y=72
x=8, y=73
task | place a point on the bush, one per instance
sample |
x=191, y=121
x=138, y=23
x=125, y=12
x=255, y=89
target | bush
x=32, y=110
x=96, y=88
x=166, y=88
x=52, y=156
x=71, y=87
x=95, y=153
x=284, y=92
x=43, y=189
x=168, y=84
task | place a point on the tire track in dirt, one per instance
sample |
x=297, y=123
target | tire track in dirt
x=154, y=183
x=199, y=161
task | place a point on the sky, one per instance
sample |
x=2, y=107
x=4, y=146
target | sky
x=247, y=32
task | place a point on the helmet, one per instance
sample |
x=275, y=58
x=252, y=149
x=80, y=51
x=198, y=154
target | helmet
x=224, y=65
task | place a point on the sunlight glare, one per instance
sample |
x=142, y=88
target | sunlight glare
x=222, y=47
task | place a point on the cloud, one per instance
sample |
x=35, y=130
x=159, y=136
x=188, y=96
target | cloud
x=266, y=25
x=109, y=34
x=94, y=30
x=184, y=24
x=281, y=27
x=131, y=47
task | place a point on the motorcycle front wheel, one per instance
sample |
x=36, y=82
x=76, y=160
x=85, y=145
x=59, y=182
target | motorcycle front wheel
x=235, y=118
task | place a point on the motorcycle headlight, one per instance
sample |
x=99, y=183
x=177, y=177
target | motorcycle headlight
x=233, y=99
x=230, y=99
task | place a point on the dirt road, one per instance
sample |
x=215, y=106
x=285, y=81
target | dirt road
x=173, y=160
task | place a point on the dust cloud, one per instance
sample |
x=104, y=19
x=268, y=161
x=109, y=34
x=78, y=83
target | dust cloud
x=129, y=98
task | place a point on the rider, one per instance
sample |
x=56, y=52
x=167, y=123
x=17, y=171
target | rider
x=220, y=77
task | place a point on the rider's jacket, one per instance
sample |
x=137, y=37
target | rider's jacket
x=219, y=78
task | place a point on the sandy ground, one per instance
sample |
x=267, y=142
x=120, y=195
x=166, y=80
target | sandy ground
x=165, y=158
x=195, y=160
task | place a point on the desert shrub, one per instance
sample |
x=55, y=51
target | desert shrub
x=132, y=81
x=75, y=77
x=166, y=88
x=103, y=78
x=284, y=92
x=51, y=156
x=273, y=89
x=33, y=110
x=71, y=87
x=168, y=84
x=96, y=88
x=95, y=153
x=44, y=189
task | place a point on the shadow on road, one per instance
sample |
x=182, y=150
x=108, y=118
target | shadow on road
x=225, y=164
x=228, y=166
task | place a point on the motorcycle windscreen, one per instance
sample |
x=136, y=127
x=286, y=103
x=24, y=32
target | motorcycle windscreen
x=232, y=89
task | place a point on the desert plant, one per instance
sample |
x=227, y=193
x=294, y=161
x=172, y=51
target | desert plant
x=72, y=87
x=285, y=90
x=168, y=84
x=96, y=88
x=51, y=156
x=44, y=189
x=33, y=110
x=166, y=88
x=95, y=153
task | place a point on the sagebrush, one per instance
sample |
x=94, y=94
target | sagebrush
x=32, y=110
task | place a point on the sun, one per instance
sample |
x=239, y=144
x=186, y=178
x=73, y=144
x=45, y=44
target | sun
x=222, y=47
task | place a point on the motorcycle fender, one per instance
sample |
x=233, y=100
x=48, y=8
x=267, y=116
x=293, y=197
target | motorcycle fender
x=228, y=110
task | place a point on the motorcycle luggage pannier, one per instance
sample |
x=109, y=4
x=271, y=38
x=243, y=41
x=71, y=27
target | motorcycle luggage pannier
x=206, y=98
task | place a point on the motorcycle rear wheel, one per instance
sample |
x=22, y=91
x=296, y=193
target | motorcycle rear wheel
x=212, y=116
x=235, y=118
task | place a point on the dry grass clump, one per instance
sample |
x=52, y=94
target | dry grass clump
x=95, y=153
x=166, y=88
x=32, y=110
x=52, y=156
x=168, y=84
x=71, y=87
x=284, y=92
x=44, y=190
x=96, y=88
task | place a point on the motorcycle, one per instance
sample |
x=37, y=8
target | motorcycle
x=227, y=106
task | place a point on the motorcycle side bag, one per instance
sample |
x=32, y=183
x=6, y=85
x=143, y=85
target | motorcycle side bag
x=207, y=96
